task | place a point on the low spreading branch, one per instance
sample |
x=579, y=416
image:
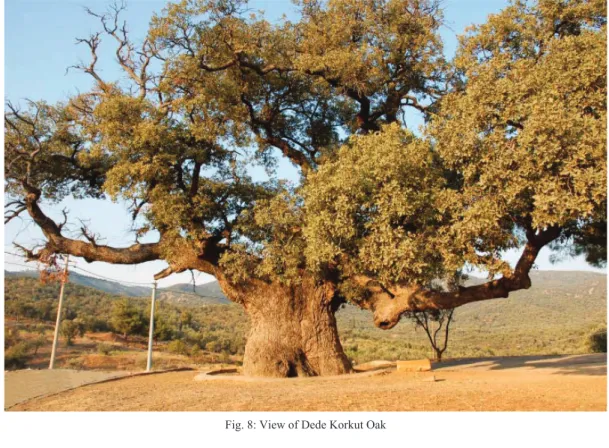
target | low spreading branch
x=388, y=308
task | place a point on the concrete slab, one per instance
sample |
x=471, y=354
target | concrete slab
x=21, y=385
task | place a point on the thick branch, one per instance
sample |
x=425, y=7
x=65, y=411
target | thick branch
x=259, y=125
x=364, y=120
x=57, y=243
x=407, y=298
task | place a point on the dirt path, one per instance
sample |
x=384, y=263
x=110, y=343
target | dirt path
x=22, y=385
x=497, y=384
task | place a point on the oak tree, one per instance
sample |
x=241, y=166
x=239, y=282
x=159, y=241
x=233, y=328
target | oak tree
x=512, y=156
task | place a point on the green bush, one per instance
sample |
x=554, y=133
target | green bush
x=38, y=342
x=597, y=341
x=178, y=347
x=213, y=346
x=104, y=349
x=69, y=329
x=74, y=363
x=11, y=337
x=16, y=356
x=195, y=351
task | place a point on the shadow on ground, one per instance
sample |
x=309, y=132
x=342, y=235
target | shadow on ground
x=593, y=364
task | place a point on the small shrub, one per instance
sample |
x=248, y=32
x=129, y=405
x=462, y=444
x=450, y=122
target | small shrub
x=177, y=347
x=104, y=349
x=597, y=341
x=38, y=342
x=16, y=356
x=74, y=363
x=195, y=351
x=11, y=337
x=213, y=346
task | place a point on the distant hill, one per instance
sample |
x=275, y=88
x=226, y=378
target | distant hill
x=556, y=299
x=208, y=293
x=92, y=282
x=184, y=293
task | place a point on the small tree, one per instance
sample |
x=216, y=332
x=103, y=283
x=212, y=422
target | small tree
x=163, y=328
x=437, y=338
x=127, y=319
x=70, y=329
x=178, y=347
x=185, y=320
x=104, y=349
x=38, y=342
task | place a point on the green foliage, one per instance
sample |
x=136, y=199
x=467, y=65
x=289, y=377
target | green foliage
x=377, y=208
x=163, y=328
x=94, y=309
x=11, y=336
x=180, y=146
x=74, y=363
x=70, y=328
x=178, y=347
x=525, y=125
x=104, y=349
x=17, y=355
x=28, y=297
x=38, y=342
x=127, y=319
x=195, y=351
x=597, y=341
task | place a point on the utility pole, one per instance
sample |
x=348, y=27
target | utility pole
x=149, y=363
x=64, y=278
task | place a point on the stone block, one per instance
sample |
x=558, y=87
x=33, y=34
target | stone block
x=418, y=365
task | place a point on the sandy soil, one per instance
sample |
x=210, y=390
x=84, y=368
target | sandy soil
x=553, y=383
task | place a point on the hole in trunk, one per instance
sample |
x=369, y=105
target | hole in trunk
x=292, y=371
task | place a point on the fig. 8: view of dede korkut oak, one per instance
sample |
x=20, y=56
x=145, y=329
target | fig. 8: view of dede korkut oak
x=512, y=155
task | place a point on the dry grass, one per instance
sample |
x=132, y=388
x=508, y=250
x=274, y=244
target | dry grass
x=524, y=384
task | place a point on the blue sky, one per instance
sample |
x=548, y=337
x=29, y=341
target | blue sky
x=40, y=45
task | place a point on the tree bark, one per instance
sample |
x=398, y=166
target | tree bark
x=293, y=329
x=438, y=355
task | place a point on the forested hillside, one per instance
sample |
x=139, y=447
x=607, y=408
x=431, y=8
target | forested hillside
x=554, y=316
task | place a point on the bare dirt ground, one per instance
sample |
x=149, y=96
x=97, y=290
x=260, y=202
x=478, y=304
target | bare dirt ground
x=548, y=383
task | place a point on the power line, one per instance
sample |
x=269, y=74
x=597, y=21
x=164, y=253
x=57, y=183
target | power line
x=16, y=255
x=20, y=264
x=101, y=277
x=74, y=266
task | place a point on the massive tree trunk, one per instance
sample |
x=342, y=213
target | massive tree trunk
x=293, y=329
